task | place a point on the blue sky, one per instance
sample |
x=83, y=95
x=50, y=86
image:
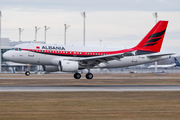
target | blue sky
x=118, y=23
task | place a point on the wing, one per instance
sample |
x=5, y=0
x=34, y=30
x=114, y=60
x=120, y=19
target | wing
x=96, y=60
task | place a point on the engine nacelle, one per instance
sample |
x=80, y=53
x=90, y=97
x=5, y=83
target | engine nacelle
x=50, y=68
x=68, y=66
x=64, y=66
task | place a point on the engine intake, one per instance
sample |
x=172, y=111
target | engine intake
x=68, y=66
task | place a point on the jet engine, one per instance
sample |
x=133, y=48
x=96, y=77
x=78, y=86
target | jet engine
x=68, y=66
x=64, y=66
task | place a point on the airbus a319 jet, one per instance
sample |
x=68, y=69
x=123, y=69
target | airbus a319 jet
x=71, y=59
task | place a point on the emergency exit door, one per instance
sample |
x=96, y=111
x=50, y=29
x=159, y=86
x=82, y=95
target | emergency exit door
x=30, y=52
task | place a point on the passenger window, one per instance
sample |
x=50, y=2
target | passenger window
x=16, y=49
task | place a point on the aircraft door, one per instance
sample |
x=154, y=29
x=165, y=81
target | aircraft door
x=30, y=53
x=134, y=58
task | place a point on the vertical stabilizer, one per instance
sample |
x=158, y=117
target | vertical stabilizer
x=152, y=42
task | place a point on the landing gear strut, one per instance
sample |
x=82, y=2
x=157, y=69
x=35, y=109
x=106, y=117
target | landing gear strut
x=27, y=73
x=77, y=75
x=89, y=75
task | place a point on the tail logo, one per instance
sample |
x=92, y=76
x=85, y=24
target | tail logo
x=154, y=38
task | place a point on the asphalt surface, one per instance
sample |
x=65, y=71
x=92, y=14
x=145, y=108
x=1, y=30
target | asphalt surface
x=64, y=88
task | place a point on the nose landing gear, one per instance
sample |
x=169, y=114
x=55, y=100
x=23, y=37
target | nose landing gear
x=27, y=73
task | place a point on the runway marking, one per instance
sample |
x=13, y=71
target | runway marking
x=66, y=88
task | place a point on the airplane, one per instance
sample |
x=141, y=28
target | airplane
x=72, y=58
x=167, y=66
x=177, y=62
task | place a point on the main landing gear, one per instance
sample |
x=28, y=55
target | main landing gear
x=77, y=75
x=88, y=75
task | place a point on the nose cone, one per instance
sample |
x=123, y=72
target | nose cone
x=6, y=55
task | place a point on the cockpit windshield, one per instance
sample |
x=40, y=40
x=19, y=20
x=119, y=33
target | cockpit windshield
x=16, y=49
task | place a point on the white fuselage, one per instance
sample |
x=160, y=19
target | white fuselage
x=36, y=56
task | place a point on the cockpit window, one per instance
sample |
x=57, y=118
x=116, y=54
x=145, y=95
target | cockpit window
x=16, y=49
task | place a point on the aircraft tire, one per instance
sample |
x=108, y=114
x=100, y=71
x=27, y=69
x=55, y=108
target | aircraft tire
x=27, y=73
x=77, y=75
x=89, y=75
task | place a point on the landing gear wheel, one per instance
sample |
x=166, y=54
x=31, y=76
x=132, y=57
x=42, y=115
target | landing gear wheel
x=77, y=75
x=89, y=75
x=27, y=73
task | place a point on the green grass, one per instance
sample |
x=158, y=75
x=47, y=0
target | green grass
x=90, y=105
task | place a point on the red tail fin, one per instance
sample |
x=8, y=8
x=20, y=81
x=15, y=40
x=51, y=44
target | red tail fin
x=153, y=40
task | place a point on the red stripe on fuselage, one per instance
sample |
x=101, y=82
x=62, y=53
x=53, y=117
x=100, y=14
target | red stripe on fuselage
x=60, y=52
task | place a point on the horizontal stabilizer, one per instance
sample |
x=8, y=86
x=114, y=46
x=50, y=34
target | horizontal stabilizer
x=159, y=55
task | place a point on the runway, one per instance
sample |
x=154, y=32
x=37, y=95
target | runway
x=76, y=88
